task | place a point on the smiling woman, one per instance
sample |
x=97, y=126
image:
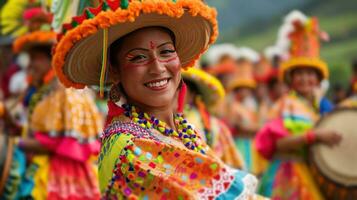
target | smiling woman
x=150, y=57
x=149, y=151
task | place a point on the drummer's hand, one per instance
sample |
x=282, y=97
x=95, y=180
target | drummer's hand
x=328, y=137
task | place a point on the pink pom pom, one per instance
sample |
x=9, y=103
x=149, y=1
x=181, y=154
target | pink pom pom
x=181, y=97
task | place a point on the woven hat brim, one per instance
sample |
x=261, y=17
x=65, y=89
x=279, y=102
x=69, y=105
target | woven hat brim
x=192, y=35
x=211, y=88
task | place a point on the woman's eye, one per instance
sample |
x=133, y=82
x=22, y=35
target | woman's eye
x=137, y=58
x=167, y=51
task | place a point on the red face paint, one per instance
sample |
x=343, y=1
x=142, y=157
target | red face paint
x=152, y=45
x=129, y=56
x=168, y=60
x=149, y=62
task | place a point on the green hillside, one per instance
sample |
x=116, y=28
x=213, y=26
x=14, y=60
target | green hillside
x=337, y=18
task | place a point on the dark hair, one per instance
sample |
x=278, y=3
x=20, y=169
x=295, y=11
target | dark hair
x=272, y=83
x=192, y=86
x=204, y=65
x=44, y=49
x=117, y=44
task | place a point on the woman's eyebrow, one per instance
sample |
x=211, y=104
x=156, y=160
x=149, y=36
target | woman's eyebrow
x=164, y=44
x=142, y=49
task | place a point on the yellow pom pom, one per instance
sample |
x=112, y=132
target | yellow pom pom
x=135, y=114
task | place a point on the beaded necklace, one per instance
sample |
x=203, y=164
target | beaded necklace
x=184, y=132
x=38, y=96
x=46, y=87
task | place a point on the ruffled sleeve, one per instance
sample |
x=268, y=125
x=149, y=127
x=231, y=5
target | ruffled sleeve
x=68, y=123
x=69, y=147
x=109, y=154
x=268, y=136
x=68, y=110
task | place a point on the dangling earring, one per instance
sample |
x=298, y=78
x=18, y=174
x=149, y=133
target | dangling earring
x=117, y=94
x=114, y=93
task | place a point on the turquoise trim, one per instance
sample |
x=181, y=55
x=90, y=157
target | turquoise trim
x=236, y=189
x=245, y=147
x=266, y=185
x=296, y=117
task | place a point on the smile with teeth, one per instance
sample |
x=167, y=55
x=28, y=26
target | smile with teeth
x=157, y=84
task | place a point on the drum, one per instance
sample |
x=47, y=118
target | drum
x=335, y=169
x=6, y=153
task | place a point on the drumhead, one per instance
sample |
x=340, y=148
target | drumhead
x=340, y=162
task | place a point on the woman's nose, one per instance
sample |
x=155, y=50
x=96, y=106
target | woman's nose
x=157, y=67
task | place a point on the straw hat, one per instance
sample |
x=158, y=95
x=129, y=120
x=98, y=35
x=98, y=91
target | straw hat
x=217, y=51
x=79, y=53
x=39, y=34
x=210, y=87
x=244, y=75
x=304, y=37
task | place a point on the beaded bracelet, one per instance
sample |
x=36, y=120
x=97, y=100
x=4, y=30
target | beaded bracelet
x=310, y=138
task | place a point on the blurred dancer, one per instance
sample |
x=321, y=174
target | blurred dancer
x=64, y=124
x=286, y=137
x=242, y=110
x=204, y=92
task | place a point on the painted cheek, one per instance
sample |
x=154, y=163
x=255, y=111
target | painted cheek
x=134, y=74
x=173, y=63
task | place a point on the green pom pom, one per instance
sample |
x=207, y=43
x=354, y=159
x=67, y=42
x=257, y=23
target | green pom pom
x=89, y=14
x=161, y=129
x=124, y=4
x=74, y=23
x=105, y=6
